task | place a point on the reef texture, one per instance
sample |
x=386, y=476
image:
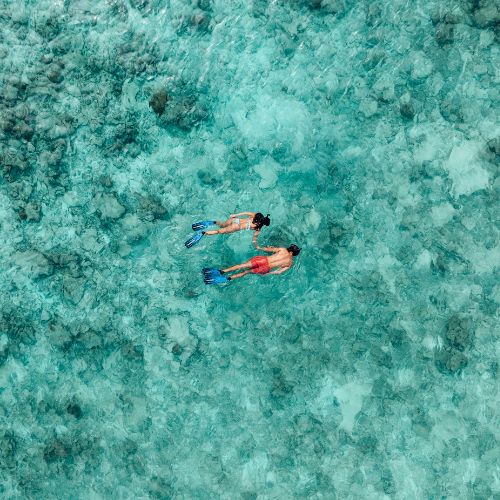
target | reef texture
x=368, y=130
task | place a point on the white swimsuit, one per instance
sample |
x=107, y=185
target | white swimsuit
x=247, y=225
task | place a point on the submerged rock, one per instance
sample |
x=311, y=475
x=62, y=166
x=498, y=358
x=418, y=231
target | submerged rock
x=56, y=451
x=75, y=410
x=406, y=110
x=33, y=263
x=327, y=6
x=183, y=112
x=373, y=14
x=387, y=482
x=205, y=5
x=459, y=336
x=368, y=107
x=133, y=352
x=438, y=265
x=422, y=66
x=106, y=181
x=23, y=130
x=73, y=289
x=381, y=358
x=13, y=163
x=9, y=93
x=339, y=235
x=20, y=190
x=180, y=105
x=18, y=330
x=444, y=24
x=107, y=206
x=8, y=449
x=459, y=332
x=281, y=387
x=55, y=74
x=486, y=13
x=421, y=422
x=374, y=57
x=207, y=178
x=69, y=263
x=384, y=90
x=160, y=487
x=159, y=101
x=200, y=21
x=151, y=208
x=451, y=110
x=126, y=131
x=367, y=445
x=134, y=230
x=140, y=4
x=444, y=33
x=494, y=145
x=58, y=334
x=450, y=360
x=48, y=28
x=31, y=212
x=47, y=58
x=259, y=7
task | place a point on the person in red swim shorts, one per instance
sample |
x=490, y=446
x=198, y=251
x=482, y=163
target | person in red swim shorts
x=280, y=261
x=260, y=264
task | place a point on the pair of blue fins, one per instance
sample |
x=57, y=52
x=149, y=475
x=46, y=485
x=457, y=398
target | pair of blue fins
x=211, y=275
x=199, y=228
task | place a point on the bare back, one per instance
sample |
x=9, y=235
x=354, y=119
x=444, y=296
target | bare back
x=281, y=258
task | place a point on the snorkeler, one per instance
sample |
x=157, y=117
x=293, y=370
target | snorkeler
x=280, y=261
x=254, y=221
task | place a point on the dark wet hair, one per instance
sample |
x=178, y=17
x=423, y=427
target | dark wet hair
x=259, y=220
x=294, y=250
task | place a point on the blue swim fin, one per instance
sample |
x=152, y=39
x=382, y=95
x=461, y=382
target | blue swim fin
x=216, y=280
x=198, y=226
x=193, y=240
x=211, y=272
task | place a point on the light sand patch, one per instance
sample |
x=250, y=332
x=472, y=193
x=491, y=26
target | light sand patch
x=465, y=170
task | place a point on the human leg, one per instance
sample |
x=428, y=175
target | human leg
x=245, y=265
x=239, y=275
x=226, y=223
x=224, y=230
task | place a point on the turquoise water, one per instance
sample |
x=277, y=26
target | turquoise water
x=368, y=130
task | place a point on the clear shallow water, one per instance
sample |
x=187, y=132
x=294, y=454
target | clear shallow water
x=368, y=130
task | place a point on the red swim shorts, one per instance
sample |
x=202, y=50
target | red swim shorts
x=260, y=265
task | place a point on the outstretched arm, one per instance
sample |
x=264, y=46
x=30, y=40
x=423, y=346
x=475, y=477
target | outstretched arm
x=266, y=249
x=279, y=271
x=254, y=239
x=232, y=216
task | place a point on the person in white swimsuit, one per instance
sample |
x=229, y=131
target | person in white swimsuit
x=237, y=222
